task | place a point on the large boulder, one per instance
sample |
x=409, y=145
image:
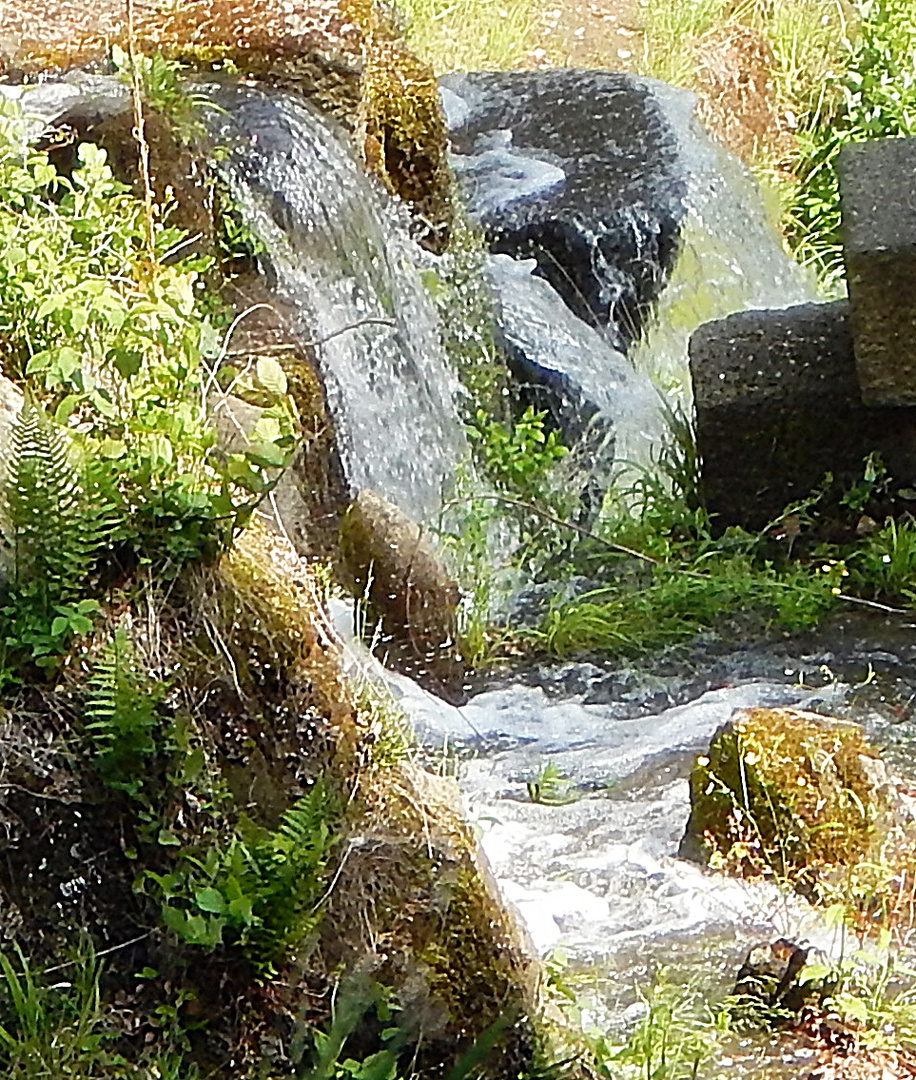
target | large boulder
x=582, y=171
x=778, y=406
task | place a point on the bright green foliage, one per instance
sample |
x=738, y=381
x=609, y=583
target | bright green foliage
x=112, y=340
x=675, y=1036
x=518, y=457
x=677, y=602
x=123, y=720
x=875, y=97
x=54, y=1028
x=263, y=888
x=885, y=564
x=54, y=527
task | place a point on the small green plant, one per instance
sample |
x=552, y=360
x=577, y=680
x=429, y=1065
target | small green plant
x=885, y=563
x=60, y=1030
x=54, y=530
x=261, y=889
x=551, y=787
x=162, y=90
x=872, y=991
x=676, y=1034
x=518, y=457
x=124, y=724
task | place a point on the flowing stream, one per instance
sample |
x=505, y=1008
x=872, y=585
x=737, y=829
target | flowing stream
x=576, y=775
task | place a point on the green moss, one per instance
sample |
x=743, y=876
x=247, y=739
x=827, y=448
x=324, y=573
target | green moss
x=784, y=791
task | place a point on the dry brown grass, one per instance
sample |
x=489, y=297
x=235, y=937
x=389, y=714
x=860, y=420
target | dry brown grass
x=737, y=93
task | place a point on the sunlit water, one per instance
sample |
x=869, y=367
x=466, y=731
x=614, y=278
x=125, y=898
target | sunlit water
x=340, y=258
x=730, y=258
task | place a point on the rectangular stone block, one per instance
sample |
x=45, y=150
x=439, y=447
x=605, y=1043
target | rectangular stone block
x=778, y=406
x=878, y=205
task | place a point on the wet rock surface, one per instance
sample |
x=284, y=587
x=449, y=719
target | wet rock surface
x=579, y=170
x=603, y=408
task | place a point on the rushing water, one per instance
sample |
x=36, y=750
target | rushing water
x=730, y=255
x=340, y=257
x=596, y=875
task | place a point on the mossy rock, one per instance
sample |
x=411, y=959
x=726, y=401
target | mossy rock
x=393, y=567
x=346, y=56
x=787, y=792
x=259, y=713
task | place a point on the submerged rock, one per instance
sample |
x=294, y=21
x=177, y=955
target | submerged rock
x=605, y=410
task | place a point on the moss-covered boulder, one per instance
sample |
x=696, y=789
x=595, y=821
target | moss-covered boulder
x=201, y=796
x=394, y=570
x=791, y=793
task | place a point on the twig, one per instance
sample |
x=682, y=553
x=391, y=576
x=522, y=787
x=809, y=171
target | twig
x=873, y=604
x=140, y=133
x=104, y=952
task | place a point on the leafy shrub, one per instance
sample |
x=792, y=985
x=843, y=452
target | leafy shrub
x=109, y=336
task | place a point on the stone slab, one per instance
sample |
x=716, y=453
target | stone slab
x=778, y=406
x=878, y=204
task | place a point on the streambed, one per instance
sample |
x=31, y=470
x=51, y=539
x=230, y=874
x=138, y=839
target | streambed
x=595, y=875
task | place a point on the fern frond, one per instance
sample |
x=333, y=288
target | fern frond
x=122, y=716
x=53, y=531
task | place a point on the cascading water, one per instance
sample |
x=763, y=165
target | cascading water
x=341, y=259
x=596, y=874
x=730, y=257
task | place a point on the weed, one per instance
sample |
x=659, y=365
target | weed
x=262, y=888
x=60, y=1029
x=550, y=787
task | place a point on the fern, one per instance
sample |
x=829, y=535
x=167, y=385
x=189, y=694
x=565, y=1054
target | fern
x=54, y=530
x=290, y=866
x=123, y=722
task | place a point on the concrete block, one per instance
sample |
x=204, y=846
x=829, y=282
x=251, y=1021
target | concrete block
x=778, y=406
x=878, y=204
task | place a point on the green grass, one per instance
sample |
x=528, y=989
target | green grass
x=471, y=35
x=670, y=36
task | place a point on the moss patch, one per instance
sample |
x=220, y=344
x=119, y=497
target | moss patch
x=787, y=792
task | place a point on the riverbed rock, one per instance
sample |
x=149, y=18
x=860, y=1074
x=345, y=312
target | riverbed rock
x=778, y=407
x=579, y=170
x=790, y=793
x=397, y=574
x=879, y=247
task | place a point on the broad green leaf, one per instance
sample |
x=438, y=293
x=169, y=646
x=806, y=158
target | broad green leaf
x=271, y=375
x=210, y=899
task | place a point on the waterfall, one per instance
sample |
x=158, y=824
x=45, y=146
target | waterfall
x=340, y=258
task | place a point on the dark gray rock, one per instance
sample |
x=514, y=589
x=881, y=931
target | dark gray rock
x=580, y=170
x=878, y=200
x=778, y=406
